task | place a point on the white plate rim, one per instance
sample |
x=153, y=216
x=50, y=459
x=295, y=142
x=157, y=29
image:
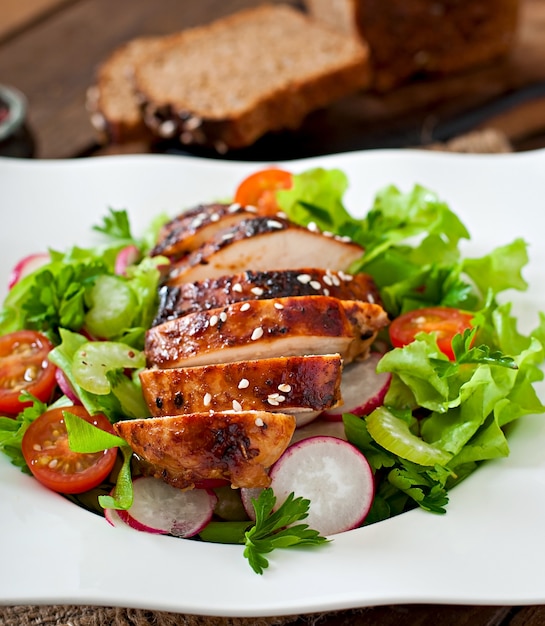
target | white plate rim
x=460, y=558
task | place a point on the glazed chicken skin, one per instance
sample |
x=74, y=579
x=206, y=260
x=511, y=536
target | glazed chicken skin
x=261, y=244
x=294, y=385
x=191, y=229
x=186, y=449
x=252, y=285
x=266, y=328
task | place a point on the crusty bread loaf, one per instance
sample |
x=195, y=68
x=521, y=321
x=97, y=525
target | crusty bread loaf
x=111, y=102
x=410, y=38
x=229, y=82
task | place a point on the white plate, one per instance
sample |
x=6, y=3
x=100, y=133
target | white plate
x=487, y=549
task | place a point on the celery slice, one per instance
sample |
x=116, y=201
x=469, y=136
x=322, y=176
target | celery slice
x=393, y=434
x=94, y=359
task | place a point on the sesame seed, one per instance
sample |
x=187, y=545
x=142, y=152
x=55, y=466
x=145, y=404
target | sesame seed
x=274, y=224
x=207, y=399
x=304, y=278
x=327, y=280
x=214, y=217
x=223, y=316
x=227, y=236
x=281, y=398
x=278, y=305
x=237, y=406
x=250, y=208
x=259, y=422
x=326, y=291
x=257, y=291
x=245, y=306
x=335, y=280
x=273, y=401
x=370, y=298
x=213, y=320
x=233, y=208
x=313, y=227
x=326, y=233
x=315, y=285
x=257, y=333
x=237, y=287
x=193, y=123
x=244, y=383
x=284, y=387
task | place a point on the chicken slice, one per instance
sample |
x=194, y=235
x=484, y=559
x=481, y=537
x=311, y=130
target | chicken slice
x=294, y=385
x=185, y=449
x=292, y=326
x=263, y=243
x=191, y=229
x=251, y=285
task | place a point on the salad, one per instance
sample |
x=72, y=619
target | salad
x=460, y=372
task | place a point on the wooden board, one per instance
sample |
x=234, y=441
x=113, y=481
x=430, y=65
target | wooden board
x=53, y=62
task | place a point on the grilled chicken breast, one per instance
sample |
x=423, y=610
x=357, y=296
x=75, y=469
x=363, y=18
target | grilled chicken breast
x=259, y=329
x=251, y=285
x=263, y=243
x=185, y=449
x=294, y=385
x=191, y=229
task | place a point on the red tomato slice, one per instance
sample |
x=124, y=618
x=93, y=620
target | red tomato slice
x=259, y=189
x=48, y=455
x=443, y=321
x=24, y=365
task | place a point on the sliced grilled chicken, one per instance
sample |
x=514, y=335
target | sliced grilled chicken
x=251, y=285
x=259, y=329
x=260, y=244
x=294, y=385
x=185, y=449
x=191, y=229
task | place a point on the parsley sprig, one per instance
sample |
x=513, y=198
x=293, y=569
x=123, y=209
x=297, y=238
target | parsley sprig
x=274, y=529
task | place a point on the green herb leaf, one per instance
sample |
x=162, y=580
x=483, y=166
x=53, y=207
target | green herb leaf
x=274, y=529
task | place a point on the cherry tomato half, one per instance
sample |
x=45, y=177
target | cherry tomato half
x=259, y=189
x=443, y=321
x=47, y=453
x=24, y=365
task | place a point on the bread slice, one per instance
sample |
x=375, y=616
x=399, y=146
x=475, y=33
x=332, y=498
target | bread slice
x=423, y=37
x=229, y=82
x=111, y=101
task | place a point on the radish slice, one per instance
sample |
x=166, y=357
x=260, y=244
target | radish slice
x=125, y=257
x=362, y=388
x=115, y=517
x=247, y=494
x=162, y=509
x=65, y=386
x=26, y=266
x=334, y=475
x=329, y=428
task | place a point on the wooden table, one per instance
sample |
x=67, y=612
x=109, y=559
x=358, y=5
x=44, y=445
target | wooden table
x=49, y=49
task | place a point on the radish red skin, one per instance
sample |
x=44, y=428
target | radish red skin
x=26, y=266
x=334, y=475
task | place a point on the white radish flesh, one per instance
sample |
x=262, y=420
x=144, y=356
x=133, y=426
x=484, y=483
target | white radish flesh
x=162, y=509
x=362, y=388
x=331, y=473
x=115, y=518
x=247, y=494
